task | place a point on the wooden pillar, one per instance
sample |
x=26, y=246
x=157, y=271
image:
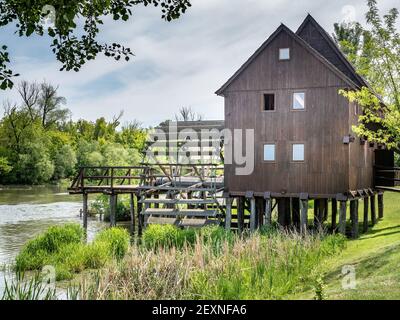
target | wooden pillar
x=85, y=211
x=373, y=209
x=303, y=212
x=354, y=218
x=325, y=207
x=380, y=205
x=334, y=215
x=240, y=213
x=140, y=216
x=228, y=213
x=113, y=206
x=284, y=211
x=296, y=212
x=260, y=211
x=156, y=196
x=365, y=220
x=319, y=213
x=268, y=209
x=253, y=220
x=132, y=213
x=342, y=213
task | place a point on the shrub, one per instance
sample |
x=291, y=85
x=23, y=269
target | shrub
x=96, y=255
x=116, y=239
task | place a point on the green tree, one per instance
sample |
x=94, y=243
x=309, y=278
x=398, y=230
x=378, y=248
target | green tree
x=64, y=162
x=377, y=58
x=75, y=27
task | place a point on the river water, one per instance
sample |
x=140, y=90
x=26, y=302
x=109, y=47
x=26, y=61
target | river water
x=26, y=211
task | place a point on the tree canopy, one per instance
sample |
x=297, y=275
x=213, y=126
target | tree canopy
x=74, y=28
x=375, y=50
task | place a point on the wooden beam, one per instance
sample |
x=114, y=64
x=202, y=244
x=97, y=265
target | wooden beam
x=334, y=215
x=296, y=212
x=380, y=205
x=342, y=216
x=85, y=212
x=132, y=213
x=113, y=206
x=253, y=219
x=365, y=220
x=354, y=218
x=284, y=217
x=373, y=209
x=303, y=213
x=240, y=213
x=268, y=208
x=228, y=214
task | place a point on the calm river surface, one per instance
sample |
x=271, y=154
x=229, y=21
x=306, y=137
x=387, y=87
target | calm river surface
x=26, y=211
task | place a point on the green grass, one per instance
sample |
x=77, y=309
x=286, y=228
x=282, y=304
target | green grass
x=375, y=256
x=64, y=248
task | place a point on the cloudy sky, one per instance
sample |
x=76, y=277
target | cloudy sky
x=176, y=64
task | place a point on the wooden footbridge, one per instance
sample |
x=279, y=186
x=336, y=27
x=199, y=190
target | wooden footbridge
x=179, y=194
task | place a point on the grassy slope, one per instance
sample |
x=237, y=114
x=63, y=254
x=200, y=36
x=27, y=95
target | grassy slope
x=375, y=256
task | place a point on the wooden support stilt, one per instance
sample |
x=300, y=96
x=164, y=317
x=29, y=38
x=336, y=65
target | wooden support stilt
x=268, y=209
x=132, y=213
x=303, y=212
x=334, y=215
x=284, y=211
x=253, y=220
x=240, y=213
x=156, y=196
x=85, y=211
x=260, y=212
x=354, y=218
x=295, y=212
x=317, y=220
x=380, y=205
x=113, y=206
x=373, y=209
x=140, y=217
x=325, y=209
x=342, y=214
x=365, y=220
x=228, y=214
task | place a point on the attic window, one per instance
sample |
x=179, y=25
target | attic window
x=284, y=54
x=269, y=102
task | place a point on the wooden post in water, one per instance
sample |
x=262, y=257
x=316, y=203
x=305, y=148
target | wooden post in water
x=365, y=220
x=85, y=212
x=342, y=213
x=228, y=214
x=268, y=209
x=140, y=215
x=373, y=209
x=354, y=218
x=132, y=213
x=380, y=205
x=334, y=215
x=113, y=206
x=303, y=212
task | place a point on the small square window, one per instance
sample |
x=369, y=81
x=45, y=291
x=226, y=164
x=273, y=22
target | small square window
x=269, y=102
x=269, y=152
x=299, y=100
x=298, y=152
x=284, y=54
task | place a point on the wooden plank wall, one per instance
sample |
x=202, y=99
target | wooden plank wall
x=321, y=126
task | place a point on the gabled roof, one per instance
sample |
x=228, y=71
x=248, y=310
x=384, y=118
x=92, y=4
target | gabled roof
x=327, y=47
x=282, y=28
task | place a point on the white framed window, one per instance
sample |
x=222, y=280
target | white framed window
x=269, y=152
x=299, y=101
x=284, y=54
x=298, y=152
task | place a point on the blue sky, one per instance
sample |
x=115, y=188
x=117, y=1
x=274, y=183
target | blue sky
x=176, y=64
